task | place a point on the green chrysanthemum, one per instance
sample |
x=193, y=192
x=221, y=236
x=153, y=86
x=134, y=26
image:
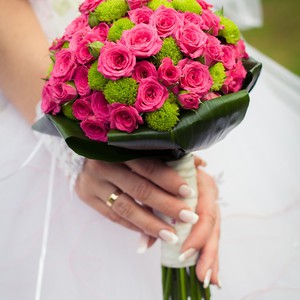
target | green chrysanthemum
x=96, y=80
x=169, y=49
x=172, y=98
x=187, y=6
x=123, y=91
x=231, y=32
x=116, y=30
x=111, y=10
x=68, y=111
x=218, y=75
x=155, y=4
x=165, y=118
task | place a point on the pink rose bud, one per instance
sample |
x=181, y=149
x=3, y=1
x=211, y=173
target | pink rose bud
x=210, y=22
x=116, y=61
x=235, y=79
x=65, y=65
x=195, y=77
x=95, y=129
x=151, y=95
x=83, y=54
x=63, y=92
x=166, y=21
x=168, y=74
x=142, y=40
x=204, y=4
x=140, y=15
x=77, y=25
x=100, y=106
x=89, y=5
x=81, y=81
x=134, y=4
x=57, y=44
x=48, y=104
x=189, y=100
x=191, y=40
x=228, y=57
x=213, y=50
x=82, y=108
x=142, y=70
x=189, y=17
x=240, y=50
x=124, y=118
x=101, y=32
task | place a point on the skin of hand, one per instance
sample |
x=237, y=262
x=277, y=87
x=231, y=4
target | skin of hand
x=24, y=60
x=148, y=181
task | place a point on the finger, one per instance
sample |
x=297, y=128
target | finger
x=215, y=279
x=145, y=242
x=149, y=194
x=160, y=173
x=199, y=161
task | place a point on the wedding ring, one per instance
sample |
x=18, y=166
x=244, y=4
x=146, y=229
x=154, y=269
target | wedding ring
x=113, y=197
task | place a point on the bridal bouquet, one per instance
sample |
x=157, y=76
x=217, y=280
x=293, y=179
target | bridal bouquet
x=158, y=78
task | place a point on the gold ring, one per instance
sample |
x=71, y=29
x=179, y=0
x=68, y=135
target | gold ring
x=113, y=197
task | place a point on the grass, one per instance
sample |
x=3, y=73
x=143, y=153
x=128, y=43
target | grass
x=279, y=38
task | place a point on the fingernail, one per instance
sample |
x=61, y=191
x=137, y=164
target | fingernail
x=168, y=236
x=188, y=216
x=187, y=254
x=219, y=283
x=143, y=244
x=186, y=191
x=207, y=278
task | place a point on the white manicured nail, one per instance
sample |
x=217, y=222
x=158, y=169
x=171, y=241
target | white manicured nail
x=168, y=236
x=143, y=244
x=188, y=216
x=207, y=278
x=185, y=191
x=187, y=254
x=219, y=284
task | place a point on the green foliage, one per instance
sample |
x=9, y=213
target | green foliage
x=111, y=10
x=169, y=49
x=93, y=20
x=123, y=90
x=218, y=75
x=155, y=4
x=231, y=32
x=116, y=30
x=163, y=119
x=187, y=6
x=96, y=80
x=68, y=111
x=94, y=48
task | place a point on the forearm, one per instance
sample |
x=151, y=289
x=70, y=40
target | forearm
x=23, y=56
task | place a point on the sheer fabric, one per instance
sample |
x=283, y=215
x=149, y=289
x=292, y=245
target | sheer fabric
x=88, y=257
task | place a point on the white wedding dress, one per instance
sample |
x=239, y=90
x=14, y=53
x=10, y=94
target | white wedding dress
x=54, y=247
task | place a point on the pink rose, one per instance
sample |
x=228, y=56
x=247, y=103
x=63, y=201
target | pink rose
x=210, y=96
x=168, y=74
x=100, y=106
x=63, y=92
x=133, y=4
x=213, y=50
x=57, y=44
x=240, y=50
x=228, y=57
x=82, y=108
x=210, y=22
x=89, y=5
x=189, y=100
x=143, y=69
x=83, y=54
x=116, y=61
x=204, y=4
x=77, y=25
x=235, y=79
x=142, y=41
x=151, y=95
x=140, y=15
x=95, y=129
x=101, y=32
x=81, y=81
x=195, y=77
x=191, y=40
x=65, y=65
x=124, y=118
x=166, y=20
x=189, y=17
x=48, y=104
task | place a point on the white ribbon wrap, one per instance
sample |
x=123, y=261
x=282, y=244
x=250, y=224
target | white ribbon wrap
x=185, y=167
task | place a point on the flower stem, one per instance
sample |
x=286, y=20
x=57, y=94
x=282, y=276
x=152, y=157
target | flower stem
x=182, y=275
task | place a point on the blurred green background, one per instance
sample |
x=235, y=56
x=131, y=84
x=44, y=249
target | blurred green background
x=279, y=38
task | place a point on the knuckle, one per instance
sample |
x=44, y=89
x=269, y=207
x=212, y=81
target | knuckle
x=124, y=208
x=142, y=191
x=149, y=167
x=114, y=217
x=209, y=218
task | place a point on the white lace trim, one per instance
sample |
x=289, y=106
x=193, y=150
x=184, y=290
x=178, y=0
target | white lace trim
x=67, y=160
